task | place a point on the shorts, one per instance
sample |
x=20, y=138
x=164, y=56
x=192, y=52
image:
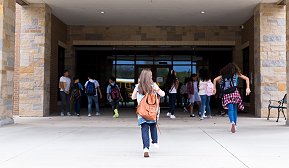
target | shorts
x=194, y=98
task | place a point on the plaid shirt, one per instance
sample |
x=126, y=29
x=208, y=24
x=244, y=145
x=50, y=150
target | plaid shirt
x=233, y=98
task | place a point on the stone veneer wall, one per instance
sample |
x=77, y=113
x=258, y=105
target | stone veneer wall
x=7, y=47
x=287, y=53
x=270, y=55
x=35, y=49
x=58, y=35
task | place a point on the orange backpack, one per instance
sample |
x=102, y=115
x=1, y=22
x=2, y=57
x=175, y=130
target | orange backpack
x=148, y=107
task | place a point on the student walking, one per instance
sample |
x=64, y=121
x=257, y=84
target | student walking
x=205, y=85
x=172, y=85
x=76, y=93
x=91, y=88
x=113, y=96
x=184, y=93
x=64, y=86
x=192, y=87
x=229, y=76
x=146, y=85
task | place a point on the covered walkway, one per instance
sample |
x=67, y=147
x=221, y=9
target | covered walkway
x=106, y=142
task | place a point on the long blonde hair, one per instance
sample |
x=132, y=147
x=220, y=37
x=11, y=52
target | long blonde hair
x=145, y=82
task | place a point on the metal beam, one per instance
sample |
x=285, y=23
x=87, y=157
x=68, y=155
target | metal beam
x=22, y=2
x=281, y=2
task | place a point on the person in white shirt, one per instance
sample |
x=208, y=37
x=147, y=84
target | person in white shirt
x=91, y=88
x=205, y=77
x=172, y=84
x=64, y=86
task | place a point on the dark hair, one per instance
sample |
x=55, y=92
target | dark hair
x=171, y=79
x=194, y=75
x=90, y=76
x=204, y=75
x=66, y=70
x=112, y=78
x=75, y=78
x=230, y=70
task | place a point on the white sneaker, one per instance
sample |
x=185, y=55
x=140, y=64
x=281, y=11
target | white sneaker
x=172, y=116
x=204, y=116
x=201, y=118
x=156, y=145
x=168, y=114
x=61, y=114
x=97, y=114
x=68, y=114
x=89, y=115
x=146, y=152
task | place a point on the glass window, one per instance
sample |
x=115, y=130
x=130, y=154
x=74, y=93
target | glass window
x=144, y=59
x=183, y=72
x=125, y=71
x=163, y=59
x=125, y=59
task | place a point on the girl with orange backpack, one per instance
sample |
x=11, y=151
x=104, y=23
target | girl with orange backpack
x=142, y=89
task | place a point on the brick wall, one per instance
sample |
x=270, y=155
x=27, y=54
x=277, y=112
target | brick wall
x=58, y=34
x=17, y=57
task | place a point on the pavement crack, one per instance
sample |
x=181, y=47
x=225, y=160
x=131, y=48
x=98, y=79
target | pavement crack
x=231, y=153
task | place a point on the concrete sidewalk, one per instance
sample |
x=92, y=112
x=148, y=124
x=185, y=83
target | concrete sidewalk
x=97, y=142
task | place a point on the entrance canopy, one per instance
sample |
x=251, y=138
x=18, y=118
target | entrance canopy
x=153, y=12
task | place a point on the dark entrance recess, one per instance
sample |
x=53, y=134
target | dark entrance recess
x=61, y=64
x=125, y=63
x=246, y=71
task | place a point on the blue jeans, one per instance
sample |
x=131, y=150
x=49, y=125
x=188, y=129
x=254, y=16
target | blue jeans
x=77, y=105
x=205, y=104
x=172, y=103
x=232, y=112
x=145, y=127
x=95, y=99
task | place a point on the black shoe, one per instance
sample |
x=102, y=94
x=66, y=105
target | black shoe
x=192, y=115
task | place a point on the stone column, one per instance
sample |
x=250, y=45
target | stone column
x=7, y=47
x=270, y=56
x=287, y=48
x=35, y=55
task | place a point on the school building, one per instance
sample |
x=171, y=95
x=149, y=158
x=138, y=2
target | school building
x=41, y=38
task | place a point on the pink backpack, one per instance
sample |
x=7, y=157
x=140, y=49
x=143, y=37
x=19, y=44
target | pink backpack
x=210, y=88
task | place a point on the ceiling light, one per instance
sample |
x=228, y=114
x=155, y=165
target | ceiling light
x=203, y=12
x=102, y=12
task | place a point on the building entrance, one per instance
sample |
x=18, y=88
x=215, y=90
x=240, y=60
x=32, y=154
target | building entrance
x=126, y=62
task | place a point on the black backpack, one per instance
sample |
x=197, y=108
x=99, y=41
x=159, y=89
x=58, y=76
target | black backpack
x=230, y=89
x=75, y=91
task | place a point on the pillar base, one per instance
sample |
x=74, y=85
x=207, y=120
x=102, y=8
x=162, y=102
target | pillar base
x=6, y=121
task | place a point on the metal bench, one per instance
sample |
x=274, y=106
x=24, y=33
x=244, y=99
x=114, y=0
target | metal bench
x=278, y=104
